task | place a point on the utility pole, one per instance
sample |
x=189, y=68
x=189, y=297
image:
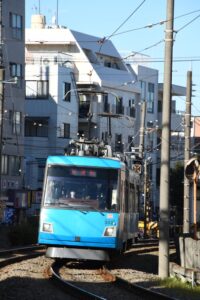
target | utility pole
x=145, y=197
x=1, y=33
x=187, y=123
x=144, y=162
x=1, y=122
x=165, y=147
x=142, y=127
x=1, y=96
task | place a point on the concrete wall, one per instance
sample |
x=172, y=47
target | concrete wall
x=189, y=252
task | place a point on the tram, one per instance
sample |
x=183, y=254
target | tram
x=89, y=206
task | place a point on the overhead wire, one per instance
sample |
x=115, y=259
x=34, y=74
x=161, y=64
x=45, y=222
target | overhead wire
x=110, y=36
x=159, y=42
x=135, y=10
x=154, y=24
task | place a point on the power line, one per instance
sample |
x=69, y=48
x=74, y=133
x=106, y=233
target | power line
x=159, y=42
x=102, y=41
x=154, y=24
x=137, y=8
x=187, y=24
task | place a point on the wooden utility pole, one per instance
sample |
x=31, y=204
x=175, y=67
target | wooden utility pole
x=165, y=147
x=187, y=123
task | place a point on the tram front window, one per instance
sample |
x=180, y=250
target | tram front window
x=74, y=187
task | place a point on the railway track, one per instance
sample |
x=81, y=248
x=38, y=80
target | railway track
x=112, y=286
x=14, y=255
x=90, y=282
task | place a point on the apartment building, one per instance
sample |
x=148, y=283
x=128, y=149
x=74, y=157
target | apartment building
x=79, y=85
x=76, y=85
x=12, y=14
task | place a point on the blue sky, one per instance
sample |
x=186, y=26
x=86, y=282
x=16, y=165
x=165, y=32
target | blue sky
x=102, y=18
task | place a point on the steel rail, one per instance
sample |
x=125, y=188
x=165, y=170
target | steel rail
x=14, y=255
x=135, y=288
x=71, y=288
x=142, y=291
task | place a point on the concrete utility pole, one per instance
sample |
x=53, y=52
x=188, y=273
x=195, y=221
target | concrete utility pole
x=165, y=147
x=1, y=122
x=1, y=95
x=142, y=156
x=142, y=127
x=1, y=38
x=186, y=207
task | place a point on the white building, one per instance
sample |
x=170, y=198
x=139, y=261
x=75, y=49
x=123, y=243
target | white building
x=75, y=84
x=78, y=84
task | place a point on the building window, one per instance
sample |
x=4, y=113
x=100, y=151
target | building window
x=106, y=105
x=130, y=142
x=118, y=143
x=119, y=105
x=150, y=98
x=66, y=91
x=66, y=130
x=15, y=70
x=37, y=127
x=37, y=89
x=16, y=25
x=132, y=108
x=16, y=121
x=4, y=164
x=15, y=165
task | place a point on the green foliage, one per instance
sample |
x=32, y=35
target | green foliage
x=182, y=288
x=24, y=233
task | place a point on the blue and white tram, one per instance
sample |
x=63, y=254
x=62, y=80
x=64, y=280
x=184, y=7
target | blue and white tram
x=89, y=207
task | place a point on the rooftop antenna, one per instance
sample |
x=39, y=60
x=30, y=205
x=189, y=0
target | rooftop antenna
x=39, y=7
x=57, y=14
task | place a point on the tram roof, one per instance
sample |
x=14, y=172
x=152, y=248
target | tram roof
x=100, y=162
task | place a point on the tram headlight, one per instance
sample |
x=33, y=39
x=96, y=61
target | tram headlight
x=110, y=231
x=47, y=227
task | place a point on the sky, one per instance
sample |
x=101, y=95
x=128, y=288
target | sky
x=136, y=26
